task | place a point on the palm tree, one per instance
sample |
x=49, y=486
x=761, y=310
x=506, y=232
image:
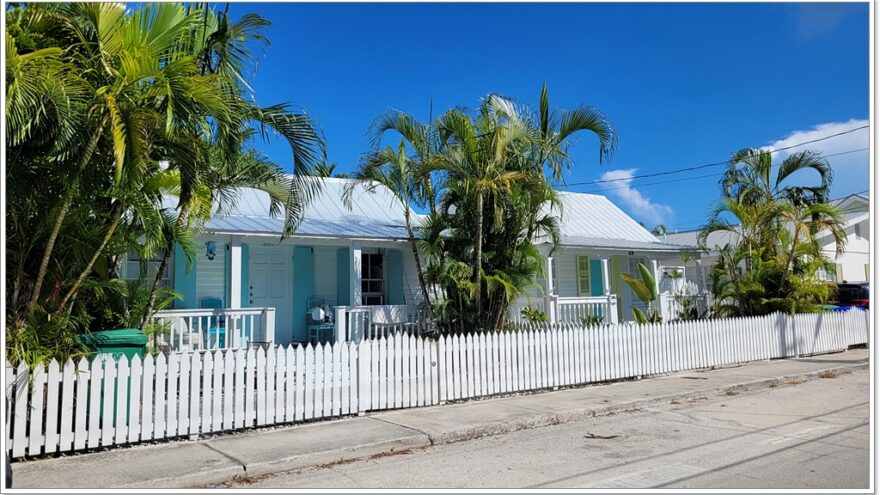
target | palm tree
x=400, y=175
x=98, y=96
x=749, y=177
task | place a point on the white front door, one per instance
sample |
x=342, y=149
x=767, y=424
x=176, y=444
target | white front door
x=271, y=286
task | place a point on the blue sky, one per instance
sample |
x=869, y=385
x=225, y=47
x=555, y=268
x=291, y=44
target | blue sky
x=684, y=84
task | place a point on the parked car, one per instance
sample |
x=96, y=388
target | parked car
x=855, y=294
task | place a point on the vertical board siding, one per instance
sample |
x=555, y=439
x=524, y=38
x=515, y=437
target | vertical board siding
x=103, y=402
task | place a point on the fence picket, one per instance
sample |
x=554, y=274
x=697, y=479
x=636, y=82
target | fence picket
x=108, y=397
x=396, y=371
x=328, y=380
x=300, y=383
x=35, y=434
x=207, y=412
x=135, y=401
x=174, y=395
x=160, y=414
x=68, y=380
x=121, y=406
x=53, y=379
x=22, y=393
x=269, y=406
x=249, y=393
x=195, y=413
x=147, y=383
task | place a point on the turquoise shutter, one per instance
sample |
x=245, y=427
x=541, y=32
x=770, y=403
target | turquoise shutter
x=184, y=279
x=303, y=289
x=343, y=277
x=245, y=275
x=596, y=279
x=395, y=276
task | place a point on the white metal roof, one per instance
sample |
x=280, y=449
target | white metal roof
x=586, y=220
x=591, y=220
x=374, y=215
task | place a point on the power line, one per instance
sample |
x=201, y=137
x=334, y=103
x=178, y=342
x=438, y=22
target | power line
x=701, y=176
x=707, y=165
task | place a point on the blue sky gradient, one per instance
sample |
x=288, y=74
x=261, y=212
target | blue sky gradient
x=684, y=84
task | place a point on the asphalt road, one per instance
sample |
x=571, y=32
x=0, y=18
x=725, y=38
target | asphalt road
x=800, y=435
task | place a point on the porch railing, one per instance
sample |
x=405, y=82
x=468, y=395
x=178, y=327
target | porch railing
x=183, y=330
x=355, y=323
x=596, y=309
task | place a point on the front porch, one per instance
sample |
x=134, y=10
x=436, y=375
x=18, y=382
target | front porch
x=247, y=291
x=584, y=286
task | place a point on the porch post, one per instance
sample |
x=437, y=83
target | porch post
x=550, y=299
x=340, y=320
x=610, y=306
x=355, y=269
x=234, y=302
x=235, y=269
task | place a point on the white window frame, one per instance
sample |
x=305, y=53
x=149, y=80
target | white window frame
x=132, y=257
x=365, y=267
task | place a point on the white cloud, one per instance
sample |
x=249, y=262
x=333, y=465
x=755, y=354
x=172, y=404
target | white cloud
x=638, y=205
x=850, y=170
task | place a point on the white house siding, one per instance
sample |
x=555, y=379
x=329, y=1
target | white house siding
x=210, y=274
x=412, y=292
x=325, y=273
x=852, y=262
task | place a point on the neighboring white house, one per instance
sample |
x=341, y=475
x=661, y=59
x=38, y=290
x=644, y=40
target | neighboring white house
x=853, y=265
x=248, y=286
x=598, y=243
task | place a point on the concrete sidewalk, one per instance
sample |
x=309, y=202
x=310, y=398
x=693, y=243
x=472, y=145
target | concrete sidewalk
x=183, y=464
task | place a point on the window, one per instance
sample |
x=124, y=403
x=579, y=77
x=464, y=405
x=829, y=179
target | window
x=583, y=275
x=858, y=231
x=372, y=279
x=145, y=270
x=839, y=272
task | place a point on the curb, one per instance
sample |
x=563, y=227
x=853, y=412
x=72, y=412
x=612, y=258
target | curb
x=340, y=456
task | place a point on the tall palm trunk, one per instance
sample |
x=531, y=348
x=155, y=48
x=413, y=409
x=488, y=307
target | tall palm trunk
x=59, y=220
x=166, y=257
x=415, y=250
x=478, y=254
x=118, y=210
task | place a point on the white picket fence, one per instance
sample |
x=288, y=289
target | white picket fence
x=86, y=405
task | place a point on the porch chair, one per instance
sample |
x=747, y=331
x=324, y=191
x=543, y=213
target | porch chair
x=318, y=328
x=216, y=324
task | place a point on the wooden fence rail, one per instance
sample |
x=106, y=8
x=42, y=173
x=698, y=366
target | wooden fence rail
x=104, y=402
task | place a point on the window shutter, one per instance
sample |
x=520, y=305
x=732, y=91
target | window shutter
x=184, y=279
x=583, y=275
x=343, y=277
x=596, y=279
x=839, y=269
x=395, y=276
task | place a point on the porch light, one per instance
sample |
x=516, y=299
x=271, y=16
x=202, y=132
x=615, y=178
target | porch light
x=210, y=250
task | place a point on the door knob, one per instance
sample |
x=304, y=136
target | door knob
x=252, y=301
